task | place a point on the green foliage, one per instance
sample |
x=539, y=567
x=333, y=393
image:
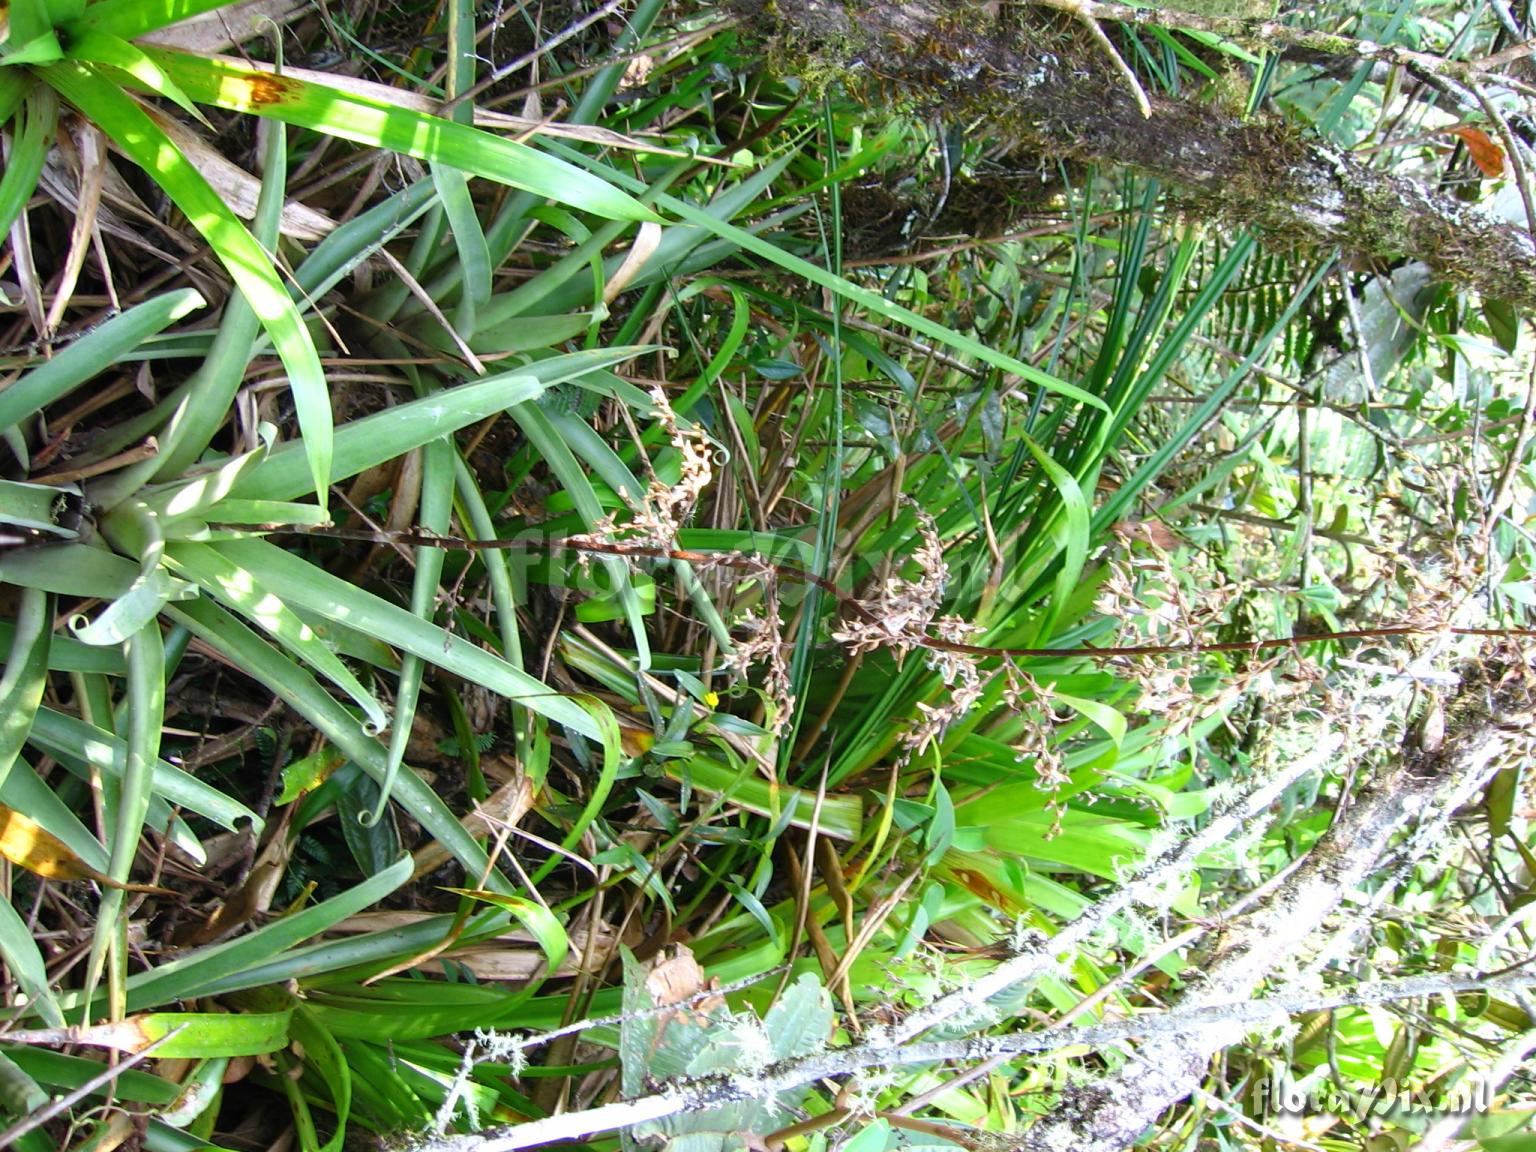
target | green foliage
x=494, y=558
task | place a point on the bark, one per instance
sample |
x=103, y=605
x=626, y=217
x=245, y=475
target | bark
x=1034, y=76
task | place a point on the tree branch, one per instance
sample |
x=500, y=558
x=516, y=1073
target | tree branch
x=1181, y=1026
x=1109, y=1114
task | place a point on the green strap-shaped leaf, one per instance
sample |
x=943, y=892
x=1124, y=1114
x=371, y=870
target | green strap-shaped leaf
x=21, y=956
x=229, y=637
x=225, y=84
x=245, y=593
x=436, y=511
x=93, y=46
x=144, y=655
x=36, y=121
x=29, y=24
x=189, y=976
x=141, y=140
x=150, y=591
x=372, y=440
x=304, y=586
x=179, y=1035
x=130, y=19
x=324, y=1055
x=538, y=919
x=62, y=735
x=92, y=354
x=26, y=674
x=1074, y=528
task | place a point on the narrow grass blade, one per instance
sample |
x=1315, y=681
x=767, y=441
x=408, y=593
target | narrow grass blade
x=436, y=510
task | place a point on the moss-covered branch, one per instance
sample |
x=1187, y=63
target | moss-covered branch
x=1032, y=74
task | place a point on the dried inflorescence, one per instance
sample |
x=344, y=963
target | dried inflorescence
x=760, y=640
x=664, y=509
x=900, y=614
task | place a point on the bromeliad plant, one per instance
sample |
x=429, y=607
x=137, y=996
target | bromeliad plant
x=60, y=56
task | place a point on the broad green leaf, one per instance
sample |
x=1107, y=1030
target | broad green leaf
x=232, y=86
x=205, y=399
x=45, y=49
x=873, y=1137
x=393, y=1008
x=800, y=1021
x=468, y=239
x=143, y=141
x=193, y=497
x=15, y=83
x=1096, y=845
